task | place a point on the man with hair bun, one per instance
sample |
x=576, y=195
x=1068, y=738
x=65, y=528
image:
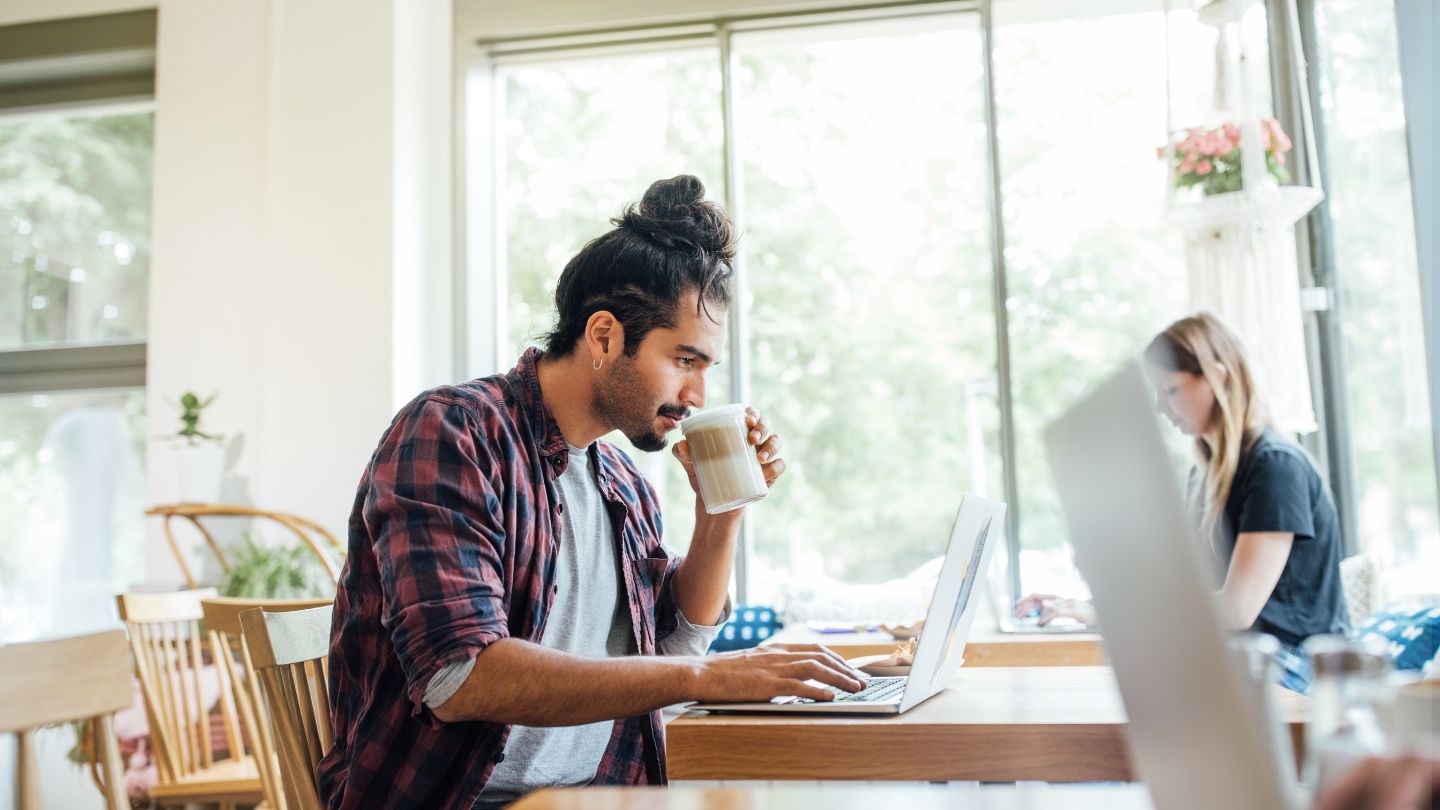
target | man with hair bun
x=508, y=618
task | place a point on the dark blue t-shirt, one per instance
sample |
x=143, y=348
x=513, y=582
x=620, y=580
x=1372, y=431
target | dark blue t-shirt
x=1278, y=489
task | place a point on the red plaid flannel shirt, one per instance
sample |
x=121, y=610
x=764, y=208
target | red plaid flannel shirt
x=452, y=546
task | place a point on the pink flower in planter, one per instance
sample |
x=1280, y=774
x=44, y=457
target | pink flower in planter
x=1274, y=136
x=1214, y=153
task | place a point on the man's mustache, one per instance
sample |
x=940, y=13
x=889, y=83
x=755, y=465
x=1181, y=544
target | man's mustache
x=674, y=411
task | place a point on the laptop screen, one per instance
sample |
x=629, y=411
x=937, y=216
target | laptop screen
x=973, y=570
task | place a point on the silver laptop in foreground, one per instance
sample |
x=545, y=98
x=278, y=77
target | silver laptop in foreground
x=1198, y=728
x=942, y=641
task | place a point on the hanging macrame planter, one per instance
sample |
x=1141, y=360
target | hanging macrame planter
x=1238, y=220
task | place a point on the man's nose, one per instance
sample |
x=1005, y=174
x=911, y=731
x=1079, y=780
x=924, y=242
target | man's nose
x=693, y=395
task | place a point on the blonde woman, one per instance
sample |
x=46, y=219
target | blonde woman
x=1259, y=501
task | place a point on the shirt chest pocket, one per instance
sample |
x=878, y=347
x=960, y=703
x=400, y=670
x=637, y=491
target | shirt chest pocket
x=645, y=580
x=649, y=578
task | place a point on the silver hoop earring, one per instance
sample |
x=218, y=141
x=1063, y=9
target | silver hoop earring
x=597, y=364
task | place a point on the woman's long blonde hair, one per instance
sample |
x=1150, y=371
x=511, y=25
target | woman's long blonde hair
x=1202, y=345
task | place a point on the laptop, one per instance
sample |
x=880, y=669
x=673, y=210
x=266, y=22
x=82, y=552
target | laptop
x=1199, y=730
x=942, y=641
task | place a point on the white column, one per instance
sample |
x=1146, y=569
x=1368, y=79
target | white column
x=301, y=245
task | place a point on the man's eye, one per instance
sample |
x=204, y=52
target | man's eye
x=686, y=362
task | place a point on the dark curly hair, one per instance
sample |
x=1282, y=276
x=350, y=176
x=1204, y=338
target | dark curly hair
x=671, y=242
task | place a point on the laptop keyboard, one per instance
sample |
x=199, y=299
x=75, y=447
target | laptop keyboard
x=879, y=690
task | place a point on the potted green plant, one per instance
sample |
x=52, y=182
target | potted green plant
x=267, y=572
x=199, y=456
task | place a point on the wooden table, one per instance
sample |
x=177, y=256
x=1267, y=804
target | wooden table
x=843, y=797
x=997, y=724
x=986, y=647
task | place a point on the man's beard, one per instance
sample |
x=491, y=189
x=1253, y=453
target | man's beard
x=622, y=401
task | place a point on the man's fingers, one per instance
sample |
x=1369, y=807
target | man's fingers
x=813, y=650
x=843, y=665
x=1345, y=794
x=814, y=670
x=682, y=452
x=759, y=429
x=773, y=470
x=770, y=449
x=802, y=655
x=807, y=690
x=1407, y=782
x=1354, y=790
x=851, y=679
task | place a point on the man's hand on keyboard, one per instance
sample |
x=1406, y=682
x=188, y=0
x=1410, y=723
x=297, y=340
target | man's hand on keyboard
x=763, y=673
x=876, y=690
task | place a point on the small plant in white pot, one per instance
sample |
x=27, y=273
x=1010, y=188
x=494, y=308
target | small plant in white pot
x=199, y=456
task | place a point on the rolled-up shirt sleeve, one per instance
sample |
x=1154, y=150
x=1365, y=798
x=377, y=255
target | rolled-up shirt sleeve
x=687, y=638
x=438, y=538
x=675, y=633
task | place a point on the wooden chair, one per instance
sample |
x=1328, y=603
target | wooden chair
x=290, y=652
x=166, y=639
x=326, y=548
x=79, y=678
x=222, y=621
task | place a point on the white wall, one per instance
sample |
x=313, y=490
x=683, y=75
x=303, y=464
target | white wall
x=301, y=182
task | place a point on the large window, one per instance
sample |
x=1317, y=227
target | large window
x=75, y=202
x=861, y=164
x=1373, y=234
x=867, y=261
x=1093, y=268
x=856, y=158
x=75, y=213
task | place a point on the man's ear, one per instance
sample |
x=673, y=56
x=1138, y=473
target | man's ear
x=604, y=336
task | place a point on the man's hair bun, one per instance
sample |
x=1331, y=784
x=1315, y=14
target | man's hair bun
x=674, y=213
x=670, y=243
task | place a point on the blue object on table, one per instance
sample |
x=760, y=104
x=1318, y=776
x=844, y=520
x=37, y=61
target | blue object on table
x=1411, y=635
x=748, y=626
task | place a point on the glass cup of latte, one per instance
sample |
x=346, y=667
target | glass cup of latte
x=726, y=465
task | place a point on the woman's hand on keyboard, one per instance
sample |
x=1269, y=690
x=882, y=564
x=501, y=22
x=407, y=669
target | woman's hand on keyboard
x=762, y=673
x=1047, y=607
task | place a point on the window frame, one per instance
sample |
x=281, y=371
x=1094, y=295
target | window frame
x=73, y=368
x=102, y=64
